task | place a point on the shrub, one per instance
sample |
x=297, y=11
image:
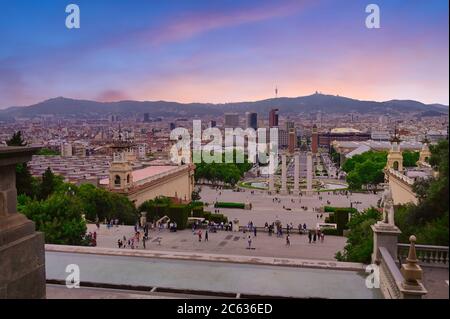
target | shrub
x=218, y=218
x=197, y=203
x=229, y=205
x=331, y=232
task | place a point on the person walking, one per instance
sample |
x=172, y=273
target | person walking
x=254, y=231
x=310, y=237
x=249, y=240
x=314, y=237
x=206, y=235
x=199, y=235
x=288, y=241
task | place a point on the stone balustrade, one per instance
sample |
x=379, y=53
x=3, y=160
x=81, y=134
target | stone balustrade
x=408, y=180
x=426, y=254
x=390, y=276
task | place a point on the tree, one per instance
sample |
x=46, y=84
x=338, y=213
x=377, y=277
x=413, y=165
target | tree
x=16, y=140
x=100, y=203
x=48, y=184
x=25, y=183
x=359, y=245
x=365, y=169
x=195, y=195
x=428, y=220
x=59, y=218
x=410, y=158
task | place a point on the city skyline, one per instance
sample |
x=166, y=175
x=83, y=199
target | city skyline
x=195, y=51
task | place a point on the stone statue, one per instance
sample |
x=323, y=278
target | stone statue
x=387, y=203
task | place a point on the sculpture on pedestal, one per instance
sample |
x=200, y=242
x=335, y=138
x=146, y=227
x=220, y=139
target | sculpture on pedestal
x=387, y=204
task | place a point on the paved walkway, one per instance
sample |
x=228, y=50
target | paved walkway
x=266, y=210
x=229, y=243
x=435, y=281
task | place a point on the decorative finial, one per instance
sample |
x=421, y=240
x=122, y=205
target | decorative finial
x=395, y=138
x=412, y=257
x=412, y=273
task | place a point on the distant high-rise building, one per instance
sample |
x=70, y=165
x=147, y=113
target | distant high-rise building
x=231, y=120
x=251, y=120
x=146, y=117
x=273, y=118
x=113, y=118
x=283, y=138
x=314, y=140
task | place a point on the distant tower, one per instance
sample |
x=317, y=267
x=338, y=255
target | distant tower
x=292, y=142
x=120, y=173
x=425, y=153
x=273, y=118
x=395, y=157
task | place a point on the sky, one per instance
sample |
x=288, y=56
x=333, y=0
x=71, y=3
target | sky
x=223, y=50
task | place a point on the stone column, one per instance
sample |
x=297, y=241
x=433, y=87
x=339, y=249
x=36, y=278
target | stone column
x=309, y=173
x=22, y=255
x=271, y=171
x=296, y=173
x=283, y=175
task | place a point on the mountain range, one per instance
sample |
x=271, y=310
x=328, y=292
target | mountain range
x=65, y=107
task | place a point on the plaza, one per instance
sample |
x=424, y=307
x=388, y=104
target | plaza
x=264, y=209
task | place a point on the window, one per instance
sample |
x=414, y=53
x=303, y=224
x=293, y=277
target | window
x=117, y=180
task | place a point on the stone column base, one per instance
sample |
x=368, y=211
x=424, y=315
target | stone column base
x=385, y=235
x=22, y=259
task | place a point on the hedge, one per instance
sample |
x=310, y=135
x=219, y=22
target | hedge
x=178, y=214
x=216, y=218
x=339, y=216
x=197, y=211
x=197, y=203
x=229, y=205
x=332, y=209
x=331, y=232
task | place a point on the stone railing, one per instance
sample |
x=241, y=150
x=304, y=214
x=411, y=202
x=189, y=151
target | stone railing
x=426, y=254
x=390, y=276
x=408, y=180
x=176, y=169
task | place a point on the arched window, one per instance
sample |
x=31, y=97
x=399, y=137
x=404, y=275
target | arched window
x=128, y=179
x=117, y=180
x=395, y=164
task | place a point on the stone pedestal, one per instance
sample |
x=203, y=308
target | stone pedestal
x=384, y=235
x=22, y=255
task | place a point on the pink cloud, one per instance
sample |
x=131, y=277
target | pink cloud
x=112, y=96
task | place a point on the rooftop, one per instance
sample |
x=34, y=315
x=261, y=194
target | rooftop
x=145, y=173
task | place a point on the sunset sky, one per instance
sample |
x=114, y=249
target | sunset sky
x=222, y=51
